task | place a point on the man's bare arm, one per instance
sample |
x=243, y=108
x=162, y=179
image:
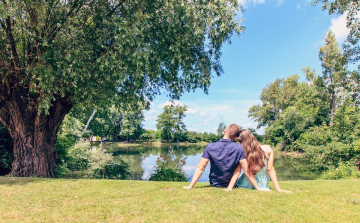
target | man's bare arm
x=198, y=172
x=234, y=178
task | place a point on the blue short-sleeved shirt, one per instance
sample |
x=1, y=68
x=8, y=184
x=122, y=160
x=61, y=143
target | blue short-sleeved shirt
x=224, y=156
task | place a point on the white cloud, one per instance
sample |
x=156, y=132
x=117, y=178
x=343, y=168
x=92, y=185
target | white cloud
x=319, y=43
x=202, y=113
x=223, y=107
x=189, y=168
x=210, y=118
x=241, y=2
x=254, y=2
x=246, y=125
x=298, y=6
x=151, y=111
x=279, y=2
x=170, y=103
x=338, y=27
x=191, y=111
x=148, y=118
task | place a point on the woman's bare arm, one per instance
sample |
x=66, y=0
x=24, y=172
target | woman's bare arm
x=251, y=177
x=234, y=178
x=271, y=170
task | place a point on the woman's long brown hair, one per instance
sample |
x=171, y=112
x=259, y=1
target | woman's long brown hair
x=255, y=156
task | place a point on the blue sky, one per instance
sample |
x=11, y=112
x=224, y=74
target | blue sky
x=281, y=37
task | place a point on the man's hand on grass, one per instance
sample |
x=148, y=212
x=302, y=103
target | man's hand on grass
x=227, y=189
x=187, y=187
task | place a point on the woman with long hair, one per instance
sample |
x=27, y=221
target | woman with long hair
x=260, y=160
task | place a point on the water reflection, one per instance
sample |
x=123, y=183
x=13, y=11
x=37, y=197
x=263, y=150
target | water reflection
x=142, y=159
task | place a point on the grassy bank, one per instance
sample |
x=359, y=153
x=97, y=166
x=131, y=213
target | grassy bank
x=55, y=200
x=156, y=143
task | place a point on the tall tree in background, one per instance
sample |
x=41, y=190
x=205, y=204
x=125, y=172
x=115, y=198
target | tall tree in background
x=275, y=97
x=170, y=122
x=334, y=74
x=351, y=46
x=220, y=129
x=57, y=54
x=131, y=121
x=351, y=9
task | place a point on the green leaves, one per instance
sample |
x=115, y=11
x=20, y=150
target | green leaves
x=170, y=122
x=94, y=50
x=351, y=9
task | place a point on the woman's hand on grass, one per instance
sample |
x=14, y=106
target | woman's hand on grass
x=264, y=189
x=286, y=191
x=187, y=187
x=227, y=189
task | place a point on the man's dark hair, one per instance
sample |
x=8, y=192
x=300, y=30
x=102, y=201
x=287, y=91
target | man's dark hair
x=233, y=131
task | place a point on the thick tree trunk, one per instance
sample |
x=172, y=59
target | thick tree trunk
x=34, y=134
x=34, y=153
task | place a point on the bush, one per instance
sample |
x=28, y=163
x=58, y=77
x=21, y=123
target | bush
x=325, y=157
x=345, y=170
x=317, y=136
x=78, y=157
x=168, y=171
x=83, y=160
x=62, y=146
x=116, y=171
x=274, y=134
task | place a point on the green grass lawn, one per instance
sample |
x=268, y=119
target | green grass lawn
x=55, y=200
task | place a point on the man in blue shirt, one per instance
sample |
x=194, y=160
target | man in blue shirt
x=226, y=159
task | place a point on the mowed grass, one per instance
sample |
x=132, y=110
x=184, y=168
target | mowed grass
x=59, y=200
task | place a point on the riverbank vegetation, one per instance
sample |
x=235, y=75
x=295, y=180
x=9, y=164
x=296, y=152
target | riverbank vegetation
x=319, y=117
x=27, y=199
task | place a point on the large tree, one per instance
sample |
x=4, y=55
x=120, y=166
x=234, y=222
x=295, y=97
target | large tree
x=56, y=54
x=334, y=75
x=351, y=9
x=170, y=122
x=275, y=97
x=351, y=47
x=220, y=129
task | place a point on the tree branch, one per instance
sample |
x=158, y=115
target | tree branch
x=11, y=39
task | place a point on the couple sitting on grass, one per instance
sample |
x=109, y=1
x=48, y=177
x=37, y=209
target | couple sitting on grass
x=227, y=158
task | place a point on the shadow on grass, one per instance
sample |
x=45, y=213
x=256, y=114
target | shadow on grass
x=205, y=186
x=19, y=180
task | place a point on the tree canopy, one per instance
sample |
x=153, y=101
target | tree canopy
x=90, y=51
x=170, y=122
x=58, y=54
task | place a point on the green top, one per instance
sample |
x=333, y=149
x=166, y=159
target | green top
x=262, y=177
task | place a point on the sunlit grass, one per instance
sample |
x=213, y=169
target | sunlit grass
x=55, y=200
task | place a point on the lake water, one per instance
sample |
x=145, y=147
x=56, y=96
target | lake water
x=142, y=160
